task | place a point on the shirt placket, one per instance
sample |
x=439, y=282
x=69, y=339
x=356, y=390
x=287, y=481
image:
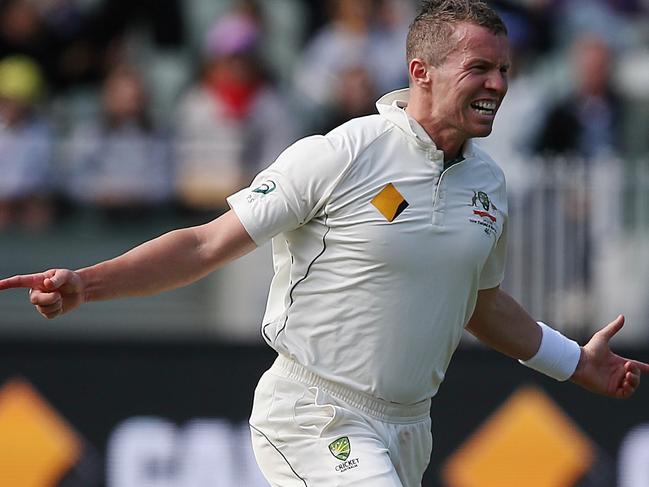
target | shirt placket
x=436, y=158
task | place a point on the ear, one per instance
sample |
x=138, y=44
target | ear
x=419, y=72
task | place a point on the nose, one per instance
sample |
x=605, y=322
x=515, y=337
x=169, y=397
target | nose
x=497, y=81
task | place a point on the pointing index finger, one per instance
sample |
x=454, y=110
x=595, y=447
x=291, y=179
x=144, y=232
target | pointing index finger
x=23, y=281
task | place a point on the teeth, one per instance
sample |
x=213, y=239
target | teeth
x=485, y=105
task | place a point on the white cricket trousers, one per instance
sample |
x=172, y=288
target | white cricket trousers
x=311, y=432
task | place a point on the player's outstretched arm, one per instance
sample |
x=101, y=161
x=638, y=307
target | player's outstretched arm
x=501, y=323
x=601, y=371
x=172, y=260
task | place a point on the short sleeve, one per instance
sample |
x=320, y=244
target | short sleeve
x=493, y=271
x=290, y=191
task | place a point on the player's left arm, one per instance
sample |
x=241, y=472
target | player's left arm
x=501, y=323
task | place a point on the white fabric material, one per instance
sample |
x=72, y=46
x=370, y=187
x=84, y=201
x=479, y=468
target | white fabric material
x=376, y=305
x=293, y=423
x=557, y=356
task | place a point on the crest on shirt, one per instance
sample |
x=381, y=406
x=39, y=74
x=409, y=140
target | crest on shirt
x=484, y=208
x=341, y=448
x=389, y=202
x=265, y=187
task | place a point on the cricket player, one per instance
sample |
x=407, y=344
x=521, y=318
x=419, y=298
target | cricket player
x=389, y=238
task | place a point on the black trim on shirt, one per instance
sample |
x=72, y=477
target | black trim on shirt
x=282, y=455
x=324, y=247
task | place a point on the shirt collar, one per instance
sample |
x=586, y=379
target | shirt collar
x=391, y=106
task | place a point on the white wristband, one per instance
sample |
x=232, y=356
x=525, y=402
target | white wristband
x=557, y=356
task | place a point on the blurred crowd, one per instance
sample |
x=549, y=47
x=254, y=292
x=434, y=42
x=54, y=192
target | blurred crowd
x=135, y=106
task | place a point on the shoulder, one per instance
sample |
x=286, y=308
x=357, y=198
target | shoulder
x=328, y=157
x=338, y=149
x=362, y=126
x=359, y=133
x=484, y=158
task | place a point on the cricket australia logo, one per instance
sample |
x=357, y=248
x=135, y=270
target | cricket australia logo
x=341, y=449
x=266, y=187
x=486, y=210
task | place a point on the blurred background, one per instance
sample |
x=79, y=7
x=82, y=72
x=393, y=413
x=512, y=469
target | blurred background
x=121, y=120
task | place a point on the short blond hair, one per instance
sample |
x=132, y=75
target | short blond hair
x=430, y=36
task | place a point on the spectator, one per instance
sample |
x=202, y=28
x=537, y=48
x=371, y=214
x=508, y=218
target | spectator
x=22, y=32
x=77, y=54
x=530, y=24
x=25, y=147
x=121, y=162
x=617, y=21
x=163, y=19
x=389, y=32
x=586, y=122
x=360, y=34
x=581, y=130
x=354, y=95
x=232, y=122
x=57, y=35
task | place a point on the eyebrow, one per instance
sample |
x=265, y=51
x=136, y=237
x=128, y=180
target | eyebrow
x=479, y=60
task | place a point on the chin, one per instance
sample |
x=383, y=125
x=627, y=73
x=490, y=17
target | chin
x=484, y=132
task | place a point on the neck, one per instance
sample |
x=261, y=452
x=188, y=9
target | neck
x=446, y=138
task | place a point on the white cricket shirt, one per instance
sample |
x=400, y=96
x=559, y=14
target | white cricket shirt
x=378, y=251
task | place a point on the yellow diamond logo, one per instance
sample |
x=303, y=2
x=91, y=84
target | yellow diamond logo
x=37, y=447
x=528, y=442
x=389, y=202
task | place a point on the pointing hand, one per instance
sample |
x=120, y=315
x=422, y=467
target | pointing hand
x=53, y=292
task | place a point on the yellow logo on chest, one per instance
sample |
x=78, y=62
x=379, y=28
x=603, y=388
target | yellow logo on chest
x=390, y=202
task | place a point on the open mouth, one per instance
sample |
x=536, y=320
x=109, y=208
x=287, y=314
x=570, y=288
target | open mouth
x=484, y=107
